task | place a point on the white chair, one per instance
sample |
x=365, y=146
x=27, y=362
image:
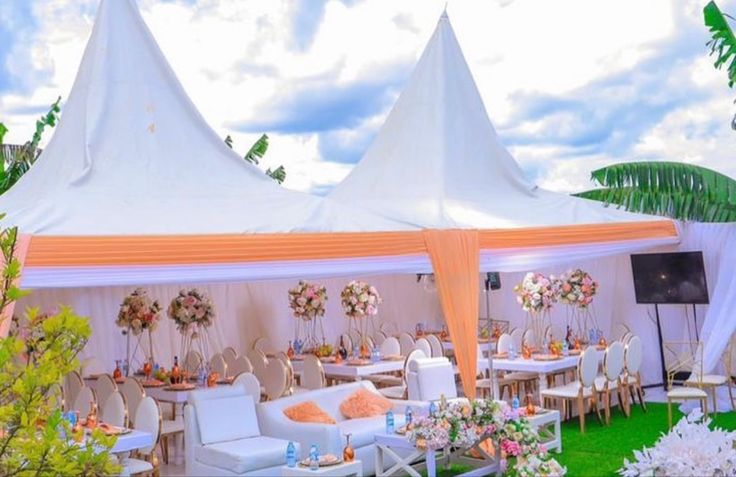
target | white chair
x=284, y=358
x=708, y=381
x=276, y=379
x=610, y=380
x=379, y=337
x=509, y=382
x=84, y=401
x=429, y=379
x=92, y=367
x=264, y=345
x=632, y=364
x=438, y=351
x=147, y=419
x=259, y=362
x=133, y=393
x=73, y=383
x=406, y=341
x=223, y=436
x=115, y=411
x=423, y=345
x=517, y=335
x=529, y=339
x=218, y=365
x=241, y=365
x=621, y=330
x=313, y=374
x=685, y=361
x=193, y=361
x=104, y=387
x=400, y=391
x=230, y=356
x=578, y=391
x=251, y=385
x=390, y=347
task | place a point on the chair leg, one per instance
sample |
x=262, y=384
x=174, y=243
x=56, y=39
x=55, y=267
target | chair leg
x=608, y=407
x=640, y=392
x=715, y=405
x=730, y=392
x=581, y=414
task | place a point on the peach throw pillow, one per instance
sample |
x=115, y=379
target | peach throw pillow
x=363, y=403
x=308, y=411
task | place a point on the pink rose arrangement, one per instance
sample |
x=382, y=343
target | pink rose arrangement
x=138, y=313
x=191, y=307
x=360, y=299
x=536, y=292
x=577, y=288
x=307, y=300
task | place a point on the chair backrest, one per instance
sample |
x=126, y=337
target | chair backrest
x=369, y=342
x=133, y=393
x=263, y=344
x=259, y=362
x=588, y=366
x=428, y=379
x=379, y=337
x=84, y=401
x=528, y=338
x=241, y=365
x=626, y=337
x=92, y=367
x=390, y=347
x=230, y=356
x=104, y=386
x=355, y=337
x=423, y=345
x=313, y=374
x=251, y=385
x=411, y=357
x=276, y=380
x=633, y=355
x=621, y=330
x=516, y=338
x=407, y=343
x=284, y=358
x=114, y=410
x=193, y=361
x=438, y=351
x=72, y=384
x=613, y=361
x=148, y=419
x=504, y=342
x=218, y=365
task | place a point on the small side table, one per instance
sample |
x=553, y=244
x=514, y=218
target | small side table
x=542, y=422
x=346, y=469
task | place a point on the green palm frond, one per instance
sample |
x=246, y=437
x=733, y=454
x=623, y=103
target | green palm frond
x=278, y=174
x=723, y=41
x=672, y=189
x=257, y=150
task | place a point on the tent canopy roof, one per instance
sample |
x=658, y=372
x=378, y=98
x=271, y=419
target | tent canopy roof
x=437, y=162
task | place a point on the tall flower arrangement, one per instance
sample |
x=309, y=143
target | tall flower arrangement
x=577, y=289
x=138, y=314
x=307, y=301
x=463, y=424
x=360, y=303
x=193, y=313
x=536, y=294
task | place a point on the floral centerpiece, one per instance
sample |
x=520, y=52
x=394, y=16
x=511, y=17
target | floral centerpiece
x=307, y=301
x=690, y=448
x=464, y=424
x=193, y=313
x=577, y=289
x=360, y=303
x=536, y=294
x=138, y=313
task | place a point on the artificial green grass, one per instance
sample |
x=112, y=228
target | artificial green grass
x=602, y=449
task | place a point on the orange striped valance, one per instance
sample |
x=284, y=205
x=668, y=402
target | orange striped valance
x=237, y=248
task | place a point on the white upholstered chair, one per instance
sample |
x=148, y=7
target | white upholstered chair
x=147, y=419
x=516, y=338
x=133, y=393
x=223, y=436
x=379, y=337
x=423, y=345
x=581, y=390
x=193, y=361
x=438, y=351
x=610, y=380
x=276, y=379
x=259, y=362
x=104, y=387
x=406, y=342
x=84, y=401
x=72, y=384
x=218, y=365
x=251, y=385
x=429, y=379
x=400, y=391
x=390, y=347
x=529, y=338
x=313, y=374
x=632, y=364
x=263, y=344
x=114, y=410
x=239, y=366
x=230, y=356
x=284, y=358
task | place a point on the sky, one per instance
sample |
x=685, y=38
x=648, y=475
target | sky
x=570, y=85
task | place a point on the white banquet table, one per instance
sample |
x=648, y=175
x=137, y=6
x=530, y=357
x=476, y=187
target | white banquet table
x=358, y=372
x=132, y=441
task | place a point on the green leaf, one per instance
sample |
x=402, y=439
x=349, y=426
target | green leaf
x=257, y=150
x=3, y=130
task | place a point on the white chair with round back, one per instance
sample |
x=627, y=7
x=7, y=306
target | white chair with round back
x=193, y=361
x=406, y=341
x=400, y=392
x=503, y=344
x=84, y=401
x=516, y=338
x=578, y=391
x=92, y=367
x=229, y=355
x=313, y=374
x=259, y=362
x=438, y=351
x=147, y=419
x=528, y=338
x=632, y=364
x=379, y=337
x=218, y=365
x=264, y=345
x=241, y=365
x=133, y=393
x=73, y=383
x=390, y=347
x=610, y=380
x=104, y=387
x=284, y=358
x=423, y=344
x=251, y=385
x=276, y=380
x=115, y=411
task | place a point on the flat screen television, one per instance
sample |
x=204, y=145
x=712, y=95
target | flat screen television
x=669, y=278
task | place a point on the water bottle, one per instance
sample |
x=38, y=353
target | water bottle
x=515, y=403
x=390, y=422
x=512, y=352
x=314, y=457
x=376, y=355
x=408, y=416
x=202, y=377
x=432, y=408
x=291, y=455
x=565, y=349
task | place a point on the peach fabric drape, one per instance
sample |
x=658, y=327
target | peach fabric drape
x=22, y=242
x=454, y=255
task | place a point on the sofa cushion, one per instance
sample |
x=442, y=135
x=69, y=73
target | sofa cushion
x=364, y=429
x=308, y=411
x=244, y=455
x=226, y=418
x=363, y=403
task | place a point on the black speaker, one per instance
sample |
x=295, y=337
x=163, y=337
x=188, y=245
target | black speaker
x=493, y=281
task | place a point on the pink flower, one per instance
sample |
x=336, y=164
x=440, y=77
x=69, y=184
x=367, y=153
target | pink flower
x=511, y=448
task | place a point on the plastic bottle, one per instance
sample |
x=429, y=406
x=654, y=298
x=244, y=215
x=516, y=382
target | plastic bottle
x=408, y=416
x=291, y=455
x=515, y=403
x=314, y=457
x=512, y=352
x=432, y=408
x=565, y=349
x=390, y=422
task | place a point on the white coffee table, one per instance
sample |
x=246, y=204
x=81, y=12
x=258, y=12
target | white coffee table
x=346, y=469
x=542, y=422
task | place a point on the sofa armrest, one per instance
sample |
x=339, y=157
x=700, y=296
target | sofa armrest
x=274, y=423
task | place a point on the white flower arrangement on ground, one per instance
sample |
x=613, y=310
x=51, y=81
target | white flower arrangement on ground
x=462, y=424
x=690, y=448
x=191, y=307
x=536, y=292
x=359, y=299
x=577, y=288
x=138, y=313
x=307, y=300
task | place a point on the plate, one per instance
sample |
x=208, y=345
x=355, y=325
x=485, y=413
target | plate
x=225, y=380
x=393, y=357
x=326, y=460
x=180, y=387
x=574, y=352
x=154, y=383
x=120, y=380
x=500, y=355
x=545, y=357
x=327, y=359
x=600, y=347
x=537, y=410
x=358, y=362
x=111, y=430
x=401, y=431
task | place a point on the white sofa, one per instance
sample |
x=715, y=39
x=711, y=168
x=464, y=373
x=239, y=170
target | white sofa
x=329, y=437
x=222, y=436
x=428, y=379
